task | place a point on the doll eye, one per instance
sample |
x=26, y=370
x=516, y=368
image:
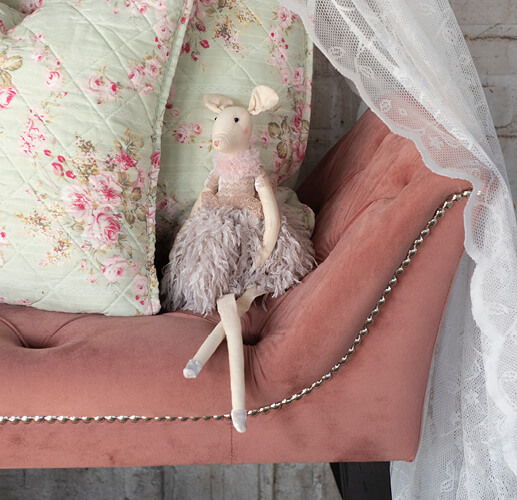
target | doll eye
x=235, y=120
x=215, y=118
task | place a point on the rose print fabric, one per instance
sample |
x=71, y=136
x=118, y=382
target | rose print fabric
x=230, y=47
x=80, y=123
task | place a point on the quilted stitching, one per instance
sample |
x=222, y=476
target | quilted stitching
x=144, y=35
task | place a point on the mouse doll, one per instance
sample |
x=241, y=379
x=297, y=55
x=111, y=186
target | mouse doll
x=237, y=243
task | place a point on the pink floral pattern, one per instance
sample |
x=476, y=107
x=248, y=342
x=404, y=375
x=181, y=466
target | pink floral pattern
x=8, y=64
x=86, y=151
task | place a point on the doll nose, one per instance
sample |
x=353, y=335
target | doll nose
x=216, y=144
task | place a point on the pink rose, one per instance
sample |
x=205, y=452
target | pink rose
x=155, y=167
x=137, y=8
x=103, y=230
x=54, y=79
x=264, y=137
x=29, y=6
x=56, y=64
x=280, y=58
x=136, y=76
x=124, y=161
x=78, y=202
x=94, y=83
x=152, y=69
x=284, y=17
x=114, y=268
x=110, y=91
x=58, y=168
x=285, y=76
x=167, y=205
x=278, y=162
x=298, y=75
x=152, y=307
x=198, y=13
x=38, y=55
x=3, y=238
x=6, y=97
x=164, y=28
x=140, y=286
x=164, y=53
x=197, y=128
x=155, y=160
x=106, y=190
x=299, y=148
x=275, y=34
x=297, y=121
x=182, y=134
x=147, y=89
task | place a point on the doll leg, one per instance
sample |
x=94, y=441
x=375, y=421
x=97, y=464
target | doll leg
x=212, y=342
x=227, y=307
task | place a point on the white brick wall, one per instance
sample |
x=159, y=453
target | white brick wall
x=490, y=27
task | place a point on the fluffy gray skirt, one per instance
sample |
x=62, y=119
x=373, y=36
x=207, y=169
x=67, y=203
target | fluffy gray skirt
x=213, y=255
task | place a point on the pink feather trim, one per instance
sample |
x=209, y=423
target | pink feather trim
x=237, y=166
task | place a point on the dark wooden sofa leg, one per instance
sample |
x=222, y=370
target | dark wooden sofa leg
x=363, y=480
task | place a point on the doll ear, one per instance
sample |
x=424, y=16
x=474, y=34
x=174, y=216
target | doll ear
x=262, y=99
x=216, y=102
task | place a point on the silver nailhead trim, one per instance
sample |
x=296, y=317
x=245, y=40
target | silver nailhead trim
x=295, y=397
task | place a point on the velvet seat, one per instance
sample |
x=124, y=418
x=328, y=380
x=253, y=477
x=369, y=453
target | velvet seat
x=373, y=196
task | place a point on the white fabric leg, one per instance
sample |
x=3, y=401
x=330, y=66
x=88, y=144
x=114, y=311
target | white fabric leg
x=216, y=336
x=227, y=308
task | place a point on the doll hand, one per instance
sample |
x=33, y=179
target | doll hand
x=209, y=199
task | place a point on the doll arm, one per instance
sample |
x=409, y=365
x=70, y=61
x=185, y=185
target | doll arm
x=271, y=218
x=211, y=186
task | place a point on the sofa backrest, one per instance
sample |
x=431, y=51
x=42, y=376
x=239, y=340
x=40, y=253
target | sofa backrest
x=372, y=195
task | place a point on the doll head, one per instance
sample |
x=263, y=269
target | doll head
x=232, y=129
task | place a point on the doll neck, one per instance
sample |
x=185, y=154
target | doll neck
x=237, y=166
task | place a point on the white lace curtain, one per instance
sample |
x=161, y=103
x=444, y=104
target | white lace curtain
x=410, y=63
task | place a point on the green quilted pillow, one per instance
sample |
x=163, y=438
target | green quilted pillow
x=230, y=47
x=83, y=88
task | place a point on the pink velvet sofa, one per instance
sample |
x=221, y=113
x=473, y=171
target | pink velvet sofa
x=87, y=390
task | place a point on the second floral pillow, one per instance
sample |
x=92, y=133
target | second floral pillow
x=230, y=47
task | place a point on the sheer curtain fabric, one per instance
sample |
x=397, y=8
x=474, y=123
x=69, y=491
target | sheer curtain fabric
x=409, y=62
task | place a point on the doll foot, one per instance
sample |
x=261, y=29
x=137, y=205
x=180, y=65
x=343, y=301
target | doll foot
x=239, y=420
x=192, y=369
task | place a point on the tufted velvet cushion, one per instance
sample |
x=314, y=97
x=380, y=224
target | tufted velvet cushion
x=372, y=195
